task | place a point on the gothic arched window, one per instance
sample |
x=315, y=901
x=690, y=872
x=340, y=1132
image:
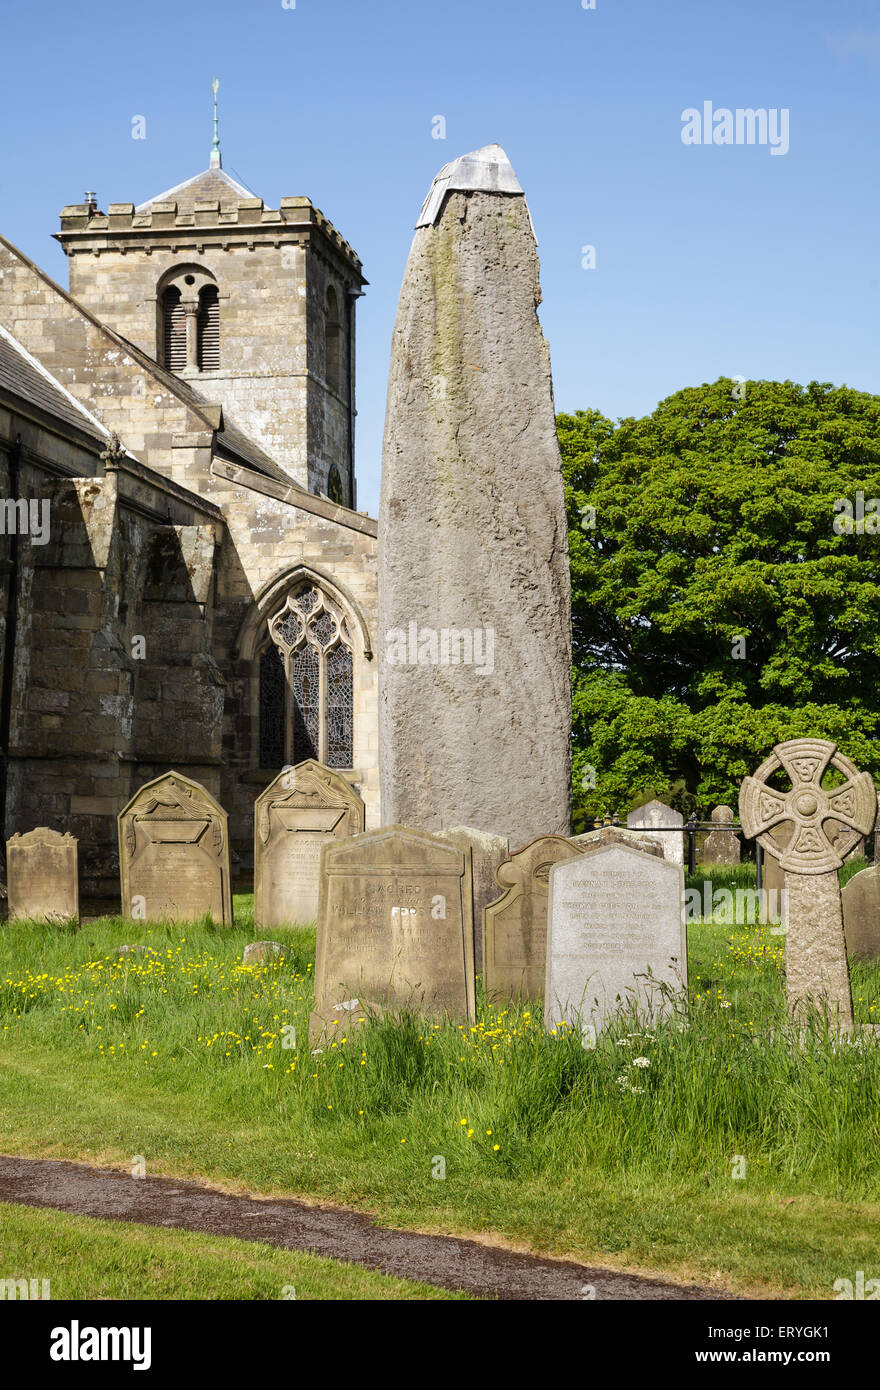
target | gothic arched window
x=307, y=683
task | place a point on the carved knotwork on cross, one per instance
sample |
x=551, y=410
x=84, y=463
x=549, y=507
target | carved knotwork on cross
x=808, y=805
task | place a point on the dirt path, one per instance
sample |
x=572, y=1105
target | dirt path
x=451, y=1263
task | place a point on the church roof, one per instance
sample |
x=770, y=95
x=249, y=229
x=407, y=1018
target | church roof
x=212, y=184
x=23, y=376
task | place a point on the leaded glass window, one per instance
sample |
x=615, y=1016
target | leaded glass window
x=339, y=708
x=307, y=672
x=305, y=668
x=272, y=702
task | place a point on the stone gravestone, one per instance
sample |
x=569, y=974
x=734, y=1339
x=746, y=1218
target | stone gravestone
x=721, y=846
x=294, y=817
x=395, y=926
x=774, y=899
x=474, y=650
x=617, y=834
x=655, y=815
x=861, y=914
x=487, y=853
x=816, y=974
x=174, y=853
x=42, y=877
x=515, y=926
x=616, y=937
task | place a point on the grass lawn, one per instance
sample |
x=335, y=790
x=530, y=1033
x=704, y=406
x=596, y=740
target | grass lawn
x=727, y=1151
x=88, y=1259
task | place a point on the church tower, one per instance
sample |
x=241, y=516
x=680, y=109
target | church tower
x=254, y=307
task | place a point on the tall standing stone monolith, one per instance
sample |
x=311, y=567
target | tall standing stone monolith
x=474, y=595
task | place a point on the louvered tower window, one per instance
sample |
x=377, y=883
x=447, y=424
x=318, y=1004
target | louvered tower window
x=209, y=329
x=174, y=330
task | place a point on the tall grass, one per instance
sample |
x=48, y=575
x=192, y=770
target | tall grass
x=726, y=1076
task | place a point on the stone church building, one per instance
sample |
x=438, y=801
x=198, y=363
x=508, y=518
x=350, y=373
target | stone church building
x=187, y=581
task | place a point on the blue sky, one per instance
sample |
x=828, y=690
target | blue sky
x=710, y=260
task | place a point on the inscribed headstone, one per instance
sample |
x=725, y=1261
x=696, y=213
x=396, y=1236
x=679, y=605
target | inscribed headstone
x=303, y=808
x=42, y=878
x=174, y=853
x=515, y=926
x=616, y=938
x=395, y=924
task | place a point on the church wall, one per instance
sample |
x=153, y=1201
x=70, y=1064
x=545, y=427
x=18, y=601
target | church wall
x=328, y=401
x=95, y=721
x=268, y=540
x=113, y=677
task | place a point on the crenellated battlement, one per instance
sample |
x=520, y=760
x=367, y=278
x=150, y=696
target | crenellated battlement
x=86, y=229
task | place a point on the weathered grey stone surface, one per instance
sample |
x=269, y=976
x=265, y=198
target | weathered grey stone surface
x=259, y=952
x=721, y=846
x=656, y=815
x=488, y=852
x=174, y=853
x=861, y=914
x=395, y=924
x=473, y=537
x=821, y=825
x=816, y=971
x=42, y=877
x=774, y=899
x=294, y=817
x=617, y=835
x=616, y=936
x=515, y=926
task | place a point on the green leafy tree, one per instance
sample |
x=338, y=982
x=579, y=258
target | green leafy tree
x=718, y=604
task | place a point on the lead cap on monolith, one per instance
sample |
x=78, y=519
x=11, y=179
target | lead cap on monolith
x=474, y=597
x=487, y=170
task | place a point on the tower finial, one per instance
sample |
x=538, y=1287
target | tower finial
x=216, y=161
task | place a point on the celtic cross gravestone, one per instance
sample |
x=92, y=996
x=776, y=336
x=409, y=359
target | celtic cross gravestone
x=823, y=822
